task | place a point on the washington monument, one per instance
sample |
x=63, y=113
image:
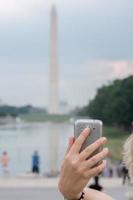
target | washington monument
x=54, y=68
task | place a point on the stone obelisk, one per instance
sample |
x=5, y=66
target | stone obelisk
x=54, y=68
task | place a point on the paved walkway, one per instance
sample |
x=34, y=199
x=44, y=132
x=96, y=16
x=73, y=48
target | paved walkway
x=41, y=189
x=36, y=182
x=47, y=194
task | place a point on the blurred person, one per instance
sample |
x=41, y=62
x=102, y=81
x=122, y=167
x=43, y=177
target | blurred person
x=128, y=161
x=96, y=184
x=106, y=172
x=110, y=165
x=111, y=171
x=119, y=168
x=125, y=175
x=5, y=162
x=76, y=170
x=128, y=156
x=36, y=162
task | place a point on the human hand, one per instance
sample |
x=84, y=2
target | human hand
x=76, y=169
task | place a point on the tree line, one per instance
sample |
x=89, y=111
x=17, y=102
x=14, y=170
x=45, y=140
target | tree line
x=16, y=111
x=113, y=103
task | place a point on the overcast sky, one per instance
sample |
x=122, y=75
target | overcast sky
x=95, y=47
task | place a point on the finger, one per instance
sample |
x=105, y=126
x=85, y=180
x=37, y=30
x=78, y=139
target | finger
x=70, y=143
x=96, y=170
x=92, y=148
x=96, y=159
x=80, y=140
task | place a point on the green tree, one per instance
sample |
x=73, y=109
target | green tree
x=113, y=103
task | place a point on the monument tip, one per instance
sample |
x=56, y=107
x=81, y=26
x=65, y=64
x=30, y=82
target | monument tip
x=53, y=9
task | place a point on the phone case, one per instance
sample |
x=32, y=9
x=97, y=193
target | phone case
x=96, y=131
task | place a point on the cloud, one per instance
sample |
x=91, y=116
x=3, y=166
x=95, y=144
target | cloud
x=95, y=47
x=11, y=10
x=24, y=83
x=29, y=83
x=103, y=32
x=79, y=83
x=112, y=68
x=122, y=69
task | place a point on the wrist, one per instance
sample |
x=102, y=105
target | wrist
x=80, y=196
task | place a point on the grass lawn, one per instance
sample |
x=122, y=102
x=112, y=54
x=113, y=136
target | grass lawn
x=43, y=117
x=116, y=138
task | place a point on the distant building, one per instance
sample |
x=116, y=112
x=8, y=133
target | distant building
x=64, y=107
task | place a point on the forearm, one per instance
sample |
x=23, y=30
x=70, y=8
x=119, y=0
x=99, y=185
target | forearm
x=91, y=194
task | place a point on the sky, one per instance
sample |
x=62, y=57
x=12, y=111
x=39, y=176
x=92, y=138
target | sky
x=95, y=45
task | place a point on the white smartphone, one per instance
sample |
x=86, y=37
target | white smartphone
x=96, y=131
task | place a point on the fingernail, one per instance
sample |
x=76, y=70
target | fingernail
x=86, y=131
x=106, y=150
x=104, y=139
x=70, y=140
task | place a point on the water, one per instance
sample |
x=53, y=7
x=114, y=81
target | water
x=20, y=141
